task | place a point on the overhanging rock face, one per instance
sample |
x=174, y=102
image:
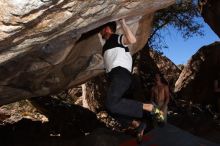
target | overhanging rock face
x=45, y=46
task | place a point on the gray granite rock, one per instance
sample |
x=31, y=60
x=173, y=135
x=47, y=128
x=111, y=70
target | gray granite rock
x=50, y=45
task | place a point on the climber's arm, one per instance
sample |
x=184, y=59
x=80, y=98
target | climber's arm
x=128, y=37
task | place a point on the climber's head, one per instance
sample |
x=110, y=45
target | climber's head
x=108, y=29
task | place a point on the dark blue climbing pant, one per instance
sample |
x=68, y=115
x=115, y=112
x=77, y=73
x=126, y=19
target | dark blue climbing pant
x=119, y=106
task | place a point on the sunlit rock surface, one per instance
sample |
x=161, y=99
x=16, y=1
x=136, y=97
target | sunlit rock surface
x=14, y=112
x=169, y=70
x=44, y=48
x=196, y=82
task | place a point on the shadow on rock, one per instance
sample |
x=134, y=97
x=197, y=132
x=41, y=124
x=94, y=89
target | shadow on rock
x=64, y=116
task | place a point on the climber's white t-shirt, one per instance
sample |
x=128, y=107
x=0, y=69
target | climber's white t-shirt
x=116, y=54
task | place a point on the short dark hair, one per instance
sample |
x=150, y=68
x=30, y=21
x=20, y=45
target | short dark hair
x=112, y=25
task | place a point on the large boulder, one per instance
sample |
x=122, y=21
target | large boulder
x=211, y=14
x=196, y=81
x=48, y=46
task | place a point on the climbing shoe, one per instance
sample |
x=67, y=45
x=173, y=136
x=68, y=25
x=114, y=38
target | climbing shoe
x=158, y=116
x=140, y=132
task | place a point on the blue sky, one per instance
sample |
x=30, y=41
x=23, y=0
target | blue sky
x=180, y=50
